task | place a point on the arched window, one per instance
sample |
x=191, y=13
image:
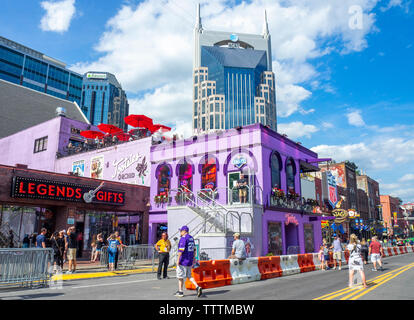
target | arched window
x=275, y=167
x=209, y=174
x=185, y=176
x=290, y=175
x=164, y=180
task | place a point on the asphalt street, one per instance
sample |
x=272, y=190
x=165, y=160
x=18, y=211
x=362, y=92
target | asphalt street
x=395, y=282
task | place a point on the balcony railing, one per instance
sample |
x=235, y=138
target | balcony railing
x=299, y=204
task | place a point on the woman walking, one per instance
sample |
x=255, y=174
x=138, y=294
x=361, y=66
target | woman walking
x=355, y=260
x=364, y=251
x=58, y=245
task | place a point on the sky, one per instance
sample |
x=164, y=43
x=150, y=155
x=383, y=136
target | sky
x=344, y=68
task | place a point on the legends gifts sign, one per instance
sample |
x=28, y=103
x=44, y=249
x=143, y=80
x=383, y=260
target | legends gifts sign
x=60, y=191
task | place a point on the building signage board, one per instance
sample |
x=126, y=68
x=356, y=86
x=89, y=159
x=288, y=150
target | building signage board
x=30, y=188
x=91, y=75
x=239, y=161
x=332, y=189
x=131, y=167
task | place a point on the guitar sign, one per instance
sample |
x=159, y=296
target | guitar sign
x=88, y=196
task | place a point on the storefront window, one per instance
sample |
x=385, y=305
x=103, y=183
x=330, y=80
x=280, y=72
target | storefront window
x=274, y=236
x=185, y=176
x=164, y=180
x=309, y=242
x=209, y=174
x=275, y=170
x=290, y=175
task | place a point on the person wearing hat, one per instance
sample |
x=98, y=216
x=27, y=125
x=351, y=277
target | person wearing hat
x=185, y=261
x=238, y=250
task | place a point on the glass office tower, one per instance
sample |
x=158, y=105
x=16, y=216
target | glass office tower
x=233, y=80
x=103, y=100
x=27, y=67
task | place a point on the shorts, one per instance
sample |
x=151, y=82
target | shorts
x=111, y=257
x=356, y=264
x=326, y=256
x=71, y=254
x=337, y=255
x=98, y=250
x=375, y=257
x=243, y=192
x=183, y=272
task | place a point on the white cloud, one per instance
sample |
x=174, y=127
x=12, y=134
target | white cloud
x=58, y=15
x=355, y=118
x=407, y=177
x=297, y=129
x=396, y=3
x=380, y=154
x=149, y=45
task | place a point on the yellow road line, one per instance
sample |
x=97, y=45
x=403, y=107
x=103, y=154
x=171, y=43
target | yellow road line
x=382, y=282
x=347, y=289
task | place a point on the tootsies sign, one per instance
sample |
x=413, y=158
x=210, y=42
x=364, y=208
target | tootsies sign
x=60, y=191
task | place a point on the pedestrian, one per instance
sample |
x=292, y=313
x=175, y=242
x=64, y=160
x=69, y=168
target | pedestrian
x=26, y=241
x=376, y=251
x=113, y=245
x=11, y=239
x=355, y=260
x=321, y=258
x=71, y=246
x=242, y=186
x=121, y=246
x=337, y=252
x=185, y=261
x=326, y=254
x=41, y=239
x=364, y=250
x=163, y=246
x=58, y=246
x=79, y=239
x=238, y=250
x=93, y=247
x=98, y=246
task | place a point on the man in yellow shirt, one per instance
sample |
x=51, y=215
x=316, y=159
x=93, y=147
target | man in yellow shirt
x=163, y=247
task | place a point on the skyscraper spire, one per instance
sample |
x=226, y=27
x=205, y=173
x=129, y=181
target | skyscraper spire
x=198, y=25
x=265, y=26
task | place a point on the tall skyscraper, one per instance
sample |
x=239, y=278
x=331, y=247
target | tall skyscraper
x=233, y=80
x=27, y=67
x=103, y=100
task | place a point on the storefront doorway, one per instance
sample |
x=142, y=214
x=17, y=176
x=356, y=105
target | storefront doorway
x=233, y=187
x=159, y=229
x=292, y=239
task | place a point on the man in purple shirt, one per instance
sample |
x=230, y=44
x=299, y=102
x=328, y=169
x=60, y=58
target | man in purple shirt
x=185, y=261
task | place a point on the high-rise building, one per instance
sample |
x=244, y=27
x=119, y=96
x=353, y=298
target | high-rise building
x=27, y=67
x=103, y=100
x=233, y=80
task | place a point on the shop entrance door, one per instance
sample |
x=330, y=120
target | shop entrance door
x=292, y=239
x=233, y=191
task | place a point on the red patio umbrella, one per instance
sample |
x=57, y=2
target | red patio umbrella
x=91, y=134
x=156, y=127
x=138, y=121
x=109, y=128
x=123, y=136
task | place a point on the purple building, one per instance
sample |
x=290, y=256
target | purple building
x=209, y=168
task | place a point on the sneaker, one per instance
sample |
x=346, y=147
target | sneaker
x=374, y=269
x=179, y=294
x=199, y=292
x=340, y=268
x=167, y=277
x=68, y=272
x=159, y=278
x=334, y=268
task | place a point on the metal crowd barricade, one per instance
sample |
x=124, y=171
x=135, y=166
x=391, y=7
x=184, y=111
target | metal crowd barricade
x=25, y=267
x=131, y=257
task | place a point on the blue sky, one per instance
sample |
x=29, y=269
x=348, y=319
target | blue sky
x=347, y=94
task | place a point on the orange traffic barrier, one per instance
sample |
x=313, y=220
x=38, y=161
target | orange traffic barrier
x=211, y=274
x=346, y=253
x=269, y=267
x=395, y=250
x=305, y=262
x=402, y=250
x=390, y=251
